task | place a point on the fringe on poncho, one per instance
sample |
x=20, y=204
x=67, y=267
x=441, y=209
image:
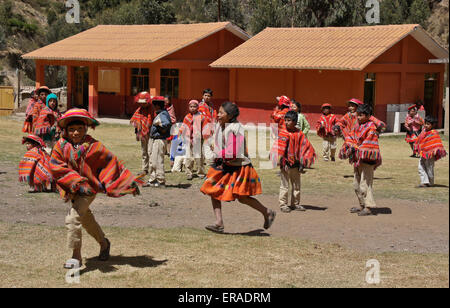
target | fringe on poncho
x=293, y=147
x=194, y=125
x=142, y=120
x=90, y=169
x=361, y=145
x=429, y=145
x=34, y=169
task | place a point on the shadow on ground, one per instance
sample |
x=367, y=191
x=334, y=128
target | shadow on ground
x=93, y=264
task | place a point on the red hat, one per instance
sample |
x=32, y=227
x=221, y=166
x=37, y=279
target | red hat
x=193, y=102
x=35, y=139
x=283, y=101
x=79, y=114
x=143, y=98
x=326, y=106
x=356, y=101
x=43, y=89
x=158, y=98
x=412, y=107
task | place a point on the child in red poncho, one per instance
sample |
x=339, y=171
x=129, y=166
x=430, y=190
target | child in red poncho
x=34, y=167
x=293, y=153
x=192, y=132
x=363, y=151
x=142, y=120
x=325, y=130
x=83, y=167
x=430, y=149
x=413, y=125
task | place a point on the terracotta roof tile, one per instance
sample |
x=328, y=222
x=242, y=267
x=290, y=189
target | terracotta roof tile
x=130, y=43
x=344, y=48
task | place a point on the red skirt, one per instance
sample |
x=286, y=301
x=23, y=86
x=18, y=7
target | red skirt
x=412, y=137
x=228, y=183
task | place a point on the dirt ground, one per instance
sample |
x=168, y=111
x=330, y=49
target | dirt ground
x=399, y=226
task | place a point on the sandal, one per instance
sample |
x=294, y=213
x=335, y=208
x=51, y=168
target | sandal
x=72, y=263
x=298, y=208
x=215, y=228
x=269, y=221
x=285, y=209
x=104, y=254
x=365, y=212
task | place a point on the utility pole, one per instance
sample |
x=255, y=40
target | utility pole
x=218, y=13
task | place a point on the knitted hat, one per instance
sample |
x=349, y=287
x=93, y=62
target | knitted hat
x=51, y=96
x=193, y=102
x=283, y=101
x=159, y=100
x=34, y=138
x=326, y=106
x=77, y=114
x=356, y=101
x=412, y=107
x=143, y=98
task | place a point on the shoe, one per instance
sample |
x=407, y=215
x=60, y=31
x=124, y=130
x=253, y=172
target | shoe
x=104, y=254
x=365, y=212
x=148, y=184
x=354, y=210
x=298, y=208
x=270, y=219
x=160, y=185
x=285, y=209
x=189, y=177
x=215, y=228
x=333, y=159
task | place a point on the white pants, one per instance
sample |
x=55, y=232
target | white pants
x=178, y=164
x=426, y=171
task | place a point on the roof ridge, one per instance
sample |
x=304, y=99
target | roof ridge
x=343, y=28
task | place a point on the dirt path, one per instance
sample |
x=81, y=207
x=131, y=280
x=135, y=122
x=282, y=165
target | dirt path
x=399, y=226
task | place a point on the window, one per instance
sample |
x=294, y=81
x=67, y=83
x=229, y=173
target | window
x=139, y=80
x=369, y=89
x=169, y=82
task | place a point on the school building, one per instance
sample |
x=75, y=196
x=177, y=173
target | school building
x=381, y=65
x=109, y=64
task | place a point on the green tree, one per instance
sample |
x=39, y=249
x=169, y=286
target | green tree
x=269, y=13
x=419, y=12
x=393, y=12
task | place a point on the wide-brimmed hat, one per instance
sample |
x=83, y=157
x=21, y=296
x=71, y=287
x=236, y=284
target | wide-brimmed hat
x=43, y=89
x=159, y=100
x=355, y=101
x=326, y=105
x=77, y=114
x=143, y=98
x=34, y=138
x=283, y=101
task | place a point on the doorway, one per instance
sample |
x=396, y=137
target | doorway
x=429, y=96
x=81, y=93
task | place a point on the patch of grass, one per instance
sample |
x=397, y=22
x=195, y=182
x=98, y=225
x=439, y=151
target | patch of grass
x=32, y=256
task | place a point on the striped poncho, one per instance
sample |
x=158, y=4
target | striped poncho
x=195, y=126
x=28, y=123
x=325, y=125
x=89, y=169
x=429, y=145
x=35, y=112
x=34, y=169
x=293, y=147
x=361, y=145
x=45, y=123
x=413, y=127
x=142, y=120
x=278, y=118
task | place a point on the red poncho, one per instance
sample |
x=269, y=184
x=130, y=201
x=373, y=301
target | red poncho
x=194, y=125
x=90, y=169
x=362, y=145
x=45, y=121
x=429, y=145
x=325, y=125
x=28, y=123
x=142, y=120
x=278, y=117
x=34, y=169
x=293, y=147
x=38, y=106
